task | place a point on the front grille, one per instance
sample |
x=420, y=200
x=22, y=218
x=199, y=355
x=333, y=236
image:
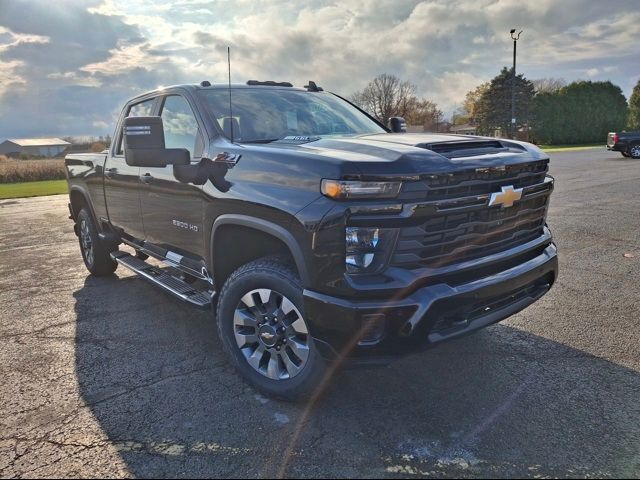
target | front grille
x=474, y=182
x=452, y=236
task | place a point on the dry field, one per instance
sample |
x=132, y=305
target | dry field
x=13, y=170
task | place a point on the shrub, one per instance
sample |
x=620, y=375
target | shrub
x=12, y=171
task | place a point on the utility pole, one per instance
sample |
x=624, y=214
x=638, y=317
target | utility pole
x=515, y=38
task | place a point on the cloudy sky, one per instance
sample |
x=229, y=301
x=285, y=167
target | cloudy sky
x=66, y=67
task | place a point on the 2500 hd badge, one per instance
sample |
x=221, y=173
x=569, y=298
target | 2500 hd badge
x=185, y=225
x=312, y=232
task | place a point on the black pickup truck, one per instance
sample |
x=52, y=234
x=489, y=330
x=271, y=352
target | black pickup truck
x=317, y=234
x=627, y=143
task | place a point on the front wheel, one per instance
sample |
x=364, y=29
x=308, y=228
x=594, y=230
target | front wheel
x=634, y=150
x=263, y=329
x=95, y=253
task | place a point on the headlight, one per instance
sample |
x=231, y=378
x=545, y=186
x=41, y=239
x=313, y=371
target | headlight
x=367, y=248
x=347, y=189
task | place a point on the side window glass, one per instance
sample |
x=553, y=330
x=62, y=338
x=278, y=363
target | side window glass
x=180, y=126
x=143, y=109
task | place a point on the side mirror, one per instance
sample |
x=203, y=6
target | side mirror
x=144, y=144
x=397, y=125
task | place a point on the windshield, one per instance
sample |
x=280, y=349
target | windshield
x=266, y=115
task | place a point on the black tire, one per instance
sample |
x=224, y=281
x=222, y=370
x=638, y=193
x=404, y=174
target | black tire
x=634, y=151
x=95, y=252
x=272, y=274
x=625, y=154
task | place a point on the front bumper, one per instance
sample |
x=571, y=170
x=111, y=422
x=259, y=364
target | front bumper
x=416, y=319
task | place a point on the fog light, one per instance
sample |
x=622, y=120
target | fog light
x=361, y=245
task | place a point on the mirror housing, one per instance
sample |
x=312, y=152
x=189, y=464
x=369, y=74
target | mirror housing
x=144, y=144
x=397, y=125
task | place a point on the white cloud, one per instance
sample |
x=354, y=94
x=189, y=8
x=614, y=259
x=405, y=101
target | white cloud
x=445, y=47
x=10, y=76
x=13, y=39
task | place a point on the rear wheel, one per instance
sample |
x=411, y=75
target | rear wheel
x=95, y=252
x=263, y=329
x=634, y=150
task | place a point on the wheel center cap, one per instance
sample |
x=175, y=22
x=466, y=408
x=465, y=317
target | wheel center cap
x=268, y=335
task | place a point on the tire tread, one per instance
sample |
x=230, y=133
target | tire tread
x=277, y=266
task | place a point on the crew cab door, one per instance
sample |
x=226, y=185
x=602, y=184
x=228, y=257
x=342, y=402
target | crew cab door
x=171, y=210
x=122, y=181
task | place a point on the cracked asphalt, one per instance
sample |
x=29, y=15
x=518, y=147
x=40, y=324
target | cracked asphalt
x=110, y=377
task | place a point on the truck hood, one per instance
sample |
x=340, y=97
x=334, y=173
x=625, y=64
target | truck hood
x=411, y=155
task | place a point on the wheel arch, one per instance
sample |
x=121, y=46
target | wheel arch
x=271, y=239
x=79, y=199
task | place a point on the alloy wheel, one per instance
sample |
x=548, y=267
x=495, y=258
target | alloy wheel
x=271, y=334
x=635, y=151
x=87, y=243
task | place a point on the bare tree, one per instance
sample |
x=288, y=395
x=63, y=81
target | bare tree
x=386, y=96
x=548, y=85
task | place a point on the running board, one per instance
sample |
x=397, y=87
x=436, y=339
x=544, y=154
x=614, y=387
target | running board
x=161, y=278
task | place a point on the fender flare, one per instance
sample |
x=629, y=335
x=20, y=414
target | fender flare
x=87, y=201
x=270, y=228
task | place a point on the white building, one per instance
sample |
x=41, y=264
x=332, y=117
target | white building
x=465, y=129
x=44, y=147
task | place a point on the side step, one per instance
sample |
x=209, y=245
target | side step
x=163, y=279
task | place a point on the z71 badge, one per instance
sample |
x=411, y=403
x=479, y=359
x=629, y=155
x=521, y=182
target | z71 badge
x=185, y=225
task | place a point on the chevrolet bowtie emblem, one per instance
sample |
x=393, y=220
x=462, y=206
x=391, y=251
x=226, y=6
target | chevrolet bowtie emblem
x=506, y=197
x=266, y=336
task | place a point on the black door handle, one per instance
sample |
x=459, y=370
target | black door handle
x=110, y=172
x=146, y=178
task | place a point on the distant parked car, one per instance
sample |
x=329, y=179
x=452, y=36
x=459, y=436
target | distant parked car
x=627, y=143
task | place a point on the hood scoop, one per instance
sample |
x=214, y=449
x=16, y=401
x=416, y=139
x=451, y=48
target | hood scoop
x=472, y=148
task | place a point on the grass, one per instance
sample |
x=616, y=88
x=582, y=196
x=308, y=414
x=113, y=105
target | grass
x=568, y=148
x=32, y=189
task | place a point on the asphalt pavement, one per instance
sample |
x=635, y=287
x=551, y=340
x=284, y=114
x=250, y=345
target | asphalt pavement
x=110, y=377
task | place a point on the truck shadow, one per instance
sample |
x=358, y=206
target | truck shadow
x=501, y=403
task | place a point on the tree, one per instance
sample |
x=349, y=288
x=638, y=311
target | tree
x=581, y=112
x=467, y=113
x=424, y=112
x=388, y=96
x=493, y=109
x=548, y=85
x=385, y=96
x=634, y=108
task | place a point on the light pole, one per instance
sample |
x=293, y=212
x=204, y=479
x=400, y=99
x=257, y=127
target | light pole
x=515, y=38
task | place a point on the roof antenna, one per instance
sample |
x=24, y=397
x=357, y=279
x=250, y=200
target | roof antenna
x=230, y=108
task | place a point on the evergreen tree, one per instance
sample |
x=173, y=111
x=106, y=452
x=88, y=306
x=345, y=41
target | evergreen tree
x=493, y=109
x=634, y=108
x=581, y=112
